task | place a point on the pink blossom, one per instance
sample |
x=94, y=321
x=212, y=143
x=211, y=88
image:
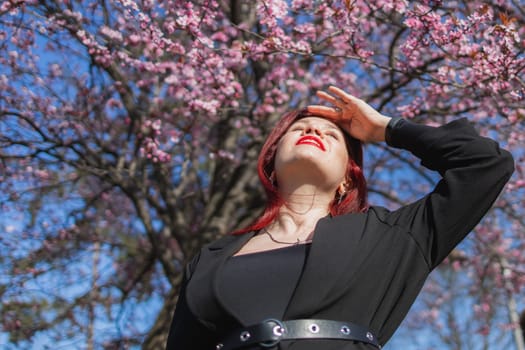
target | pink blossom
x=270, y=11
x=13, y=55
x=55, y=70
x=414, y=23
x=75, y=15
x=134, y=39
x=302, y=4
x=111, y=34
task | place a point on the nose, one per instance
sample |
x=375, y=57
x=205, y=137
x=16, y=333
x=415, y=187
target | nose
x=313, y=130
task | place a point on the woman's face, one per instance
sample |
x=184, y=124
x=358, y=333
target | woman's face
x=312, y=147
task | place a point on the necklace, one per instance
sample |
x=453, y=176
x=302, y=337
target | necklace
x=282, y=242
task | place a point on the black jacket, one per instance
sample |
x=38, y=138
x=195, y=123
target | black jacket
x=365, y=268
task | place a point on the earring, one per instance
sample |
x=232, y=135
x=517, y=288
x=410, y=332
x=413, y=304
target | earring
x=342, y=192
x=341, y=195
x=272, y=179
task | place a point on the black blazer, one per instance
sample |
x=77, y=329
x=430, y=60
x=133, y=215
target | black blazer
x=365, y=268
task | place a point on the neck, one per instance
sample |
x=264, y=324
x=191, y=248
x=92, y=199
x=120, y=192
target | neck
x=301, y=210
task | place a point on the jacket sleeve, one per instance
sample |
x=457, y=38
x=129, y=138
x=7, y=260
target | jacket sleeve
x=186, y=332
x=474, y=170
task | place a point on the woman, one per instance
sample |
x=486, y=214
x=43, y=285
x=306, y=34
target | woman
x=320, y=269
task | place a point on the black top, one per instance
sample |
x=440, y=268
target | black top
x=366, y=268
x=250, y=283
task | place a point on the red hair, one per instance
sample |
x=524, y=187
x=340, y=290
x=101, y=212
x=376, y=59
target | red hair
x=353, y=201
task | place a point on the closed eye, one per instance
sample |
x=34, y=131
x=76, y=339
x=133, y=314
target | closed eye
x=333, y=135
x=295, y=130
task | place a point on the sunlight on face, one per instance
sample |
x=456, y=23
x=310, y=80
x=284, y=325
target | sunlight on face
x=315, y=148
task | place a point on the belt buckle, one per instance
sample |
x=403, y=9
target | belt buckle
x=277, y=330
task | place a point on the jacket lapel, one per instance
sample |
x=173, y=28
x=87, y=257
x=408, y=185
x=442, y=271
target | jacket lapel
x=202, y=296
x=329, y=264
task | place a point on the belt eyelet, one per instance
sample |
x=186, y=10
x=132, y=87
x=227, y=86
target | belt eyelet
x=278, y=330
x=314, y=328
x=245, y=336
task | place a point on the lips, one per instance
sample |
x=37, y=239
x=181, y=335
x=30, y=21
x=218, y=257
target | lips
x=311, y=140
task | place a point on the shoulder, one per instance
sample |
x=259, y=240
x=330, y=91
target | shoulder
x=381, y=213
x=216, y=249
x=372, y=214
x=224, y=241
x=380, y=216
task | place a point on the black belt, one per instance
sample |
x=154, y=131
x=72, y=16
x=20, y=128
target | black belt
x=270, y=332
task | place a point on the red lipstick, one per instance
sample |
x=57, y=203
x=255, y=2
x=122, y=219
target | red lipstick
x=311, y=140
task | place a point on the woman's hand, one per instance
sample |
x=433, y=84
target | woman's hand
x=354, y=115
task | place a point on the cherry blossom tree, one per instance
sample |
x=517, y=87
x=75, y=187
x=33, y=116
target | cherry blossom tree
x=129, y=132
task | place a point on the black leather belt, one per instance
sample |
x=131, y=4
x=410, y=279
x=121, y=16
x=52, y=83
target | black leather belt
x=270, y=332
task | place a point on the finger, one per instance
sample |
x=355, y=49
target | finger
x=341, y=94
x=339, y=104
x=323, y=111
x=327, y=97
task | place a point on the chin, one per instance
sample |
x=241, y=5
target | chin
x=308, y=172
